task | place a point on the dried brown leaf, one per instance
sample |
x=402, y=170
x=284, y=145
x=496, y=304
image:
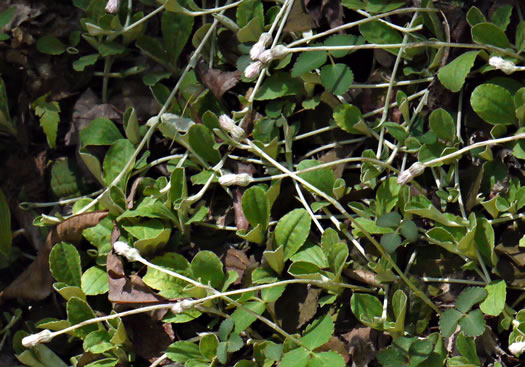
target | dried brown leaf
x=124, y=290
x=297, y=306
x=150, y=338
x=238, y=261
x=299, y=20
x=217, y=81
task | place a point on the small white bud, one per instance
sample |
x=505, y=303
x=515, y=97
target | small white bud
x=517, y=348
x=508, y=67
x=123, y=249
x=253, y=70
x=42, y=337
x=278, y=52
x=515, y=323
x=182, y=306
x=409, y=174
x=228, y=125
x=241, y=179
x=260, y=46
x=112, y=6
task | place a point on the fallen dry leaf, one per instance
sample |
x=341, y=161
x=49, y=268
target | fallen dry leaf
x=217, y=81
x=150, y=338
x=238, y=261
x=124, y=290
x=35, y=281
x=299, y=20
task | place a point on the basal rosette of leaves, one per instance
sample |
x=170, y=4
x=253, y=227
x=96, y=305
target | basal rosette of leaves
x=315, y=175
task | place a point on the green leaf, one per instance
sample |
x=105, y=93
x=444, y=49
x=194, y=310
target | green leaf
x=6, y=237
x=337, y=78
x=176, y=31
x=275, y=259
x=40, y=356
x=387, y=196
x=292, y=230
x=347, y=117
x=469, y=297
x=256, y=207
x=256, y=235
x=489, y=34
x=449, y=321
x=152, y=78
x=475, y=16
x=251, y=31
x=168, y=286
x=64, y=263
x=50, y=45
x=243, y=318
x=77, y=311
x=366, y=308
x=202, y=142
x=279, y=85
x=405, y=352
x=443, y=125
x=100, y=131
x=313, y=254
x=390, y=220
x=495, y=302
x=150, y=207
x=153, y=48
x=248, y=10
x=327, y=359
x=422, y=206
x=494, y=104
x=66, y=179
x=409, y=230
x=84, y=61
x=453, y=75
x=298, y=357
x=390, y=241
x=48, y=112
x=473, y=324
x=106, y=49
x=484, y=239
x=94, y=281
x=520, y=36
x=501, y=16
x=272, y=294
x=183, y=351
x=208, y=346
x=131, y=126
x=323, y=179
x=98, y=342
x=151, y=235
x=318, y=332
x=100, y=235
x=308, y=61
x=304, y=270
x=342, y=40
x=6, y=15
x=467, y=348
x=207, y=266
x=118, y=155
x=380, y=33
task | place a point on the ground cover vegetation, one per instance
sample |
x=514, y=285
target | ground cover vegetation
x=262, y=183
